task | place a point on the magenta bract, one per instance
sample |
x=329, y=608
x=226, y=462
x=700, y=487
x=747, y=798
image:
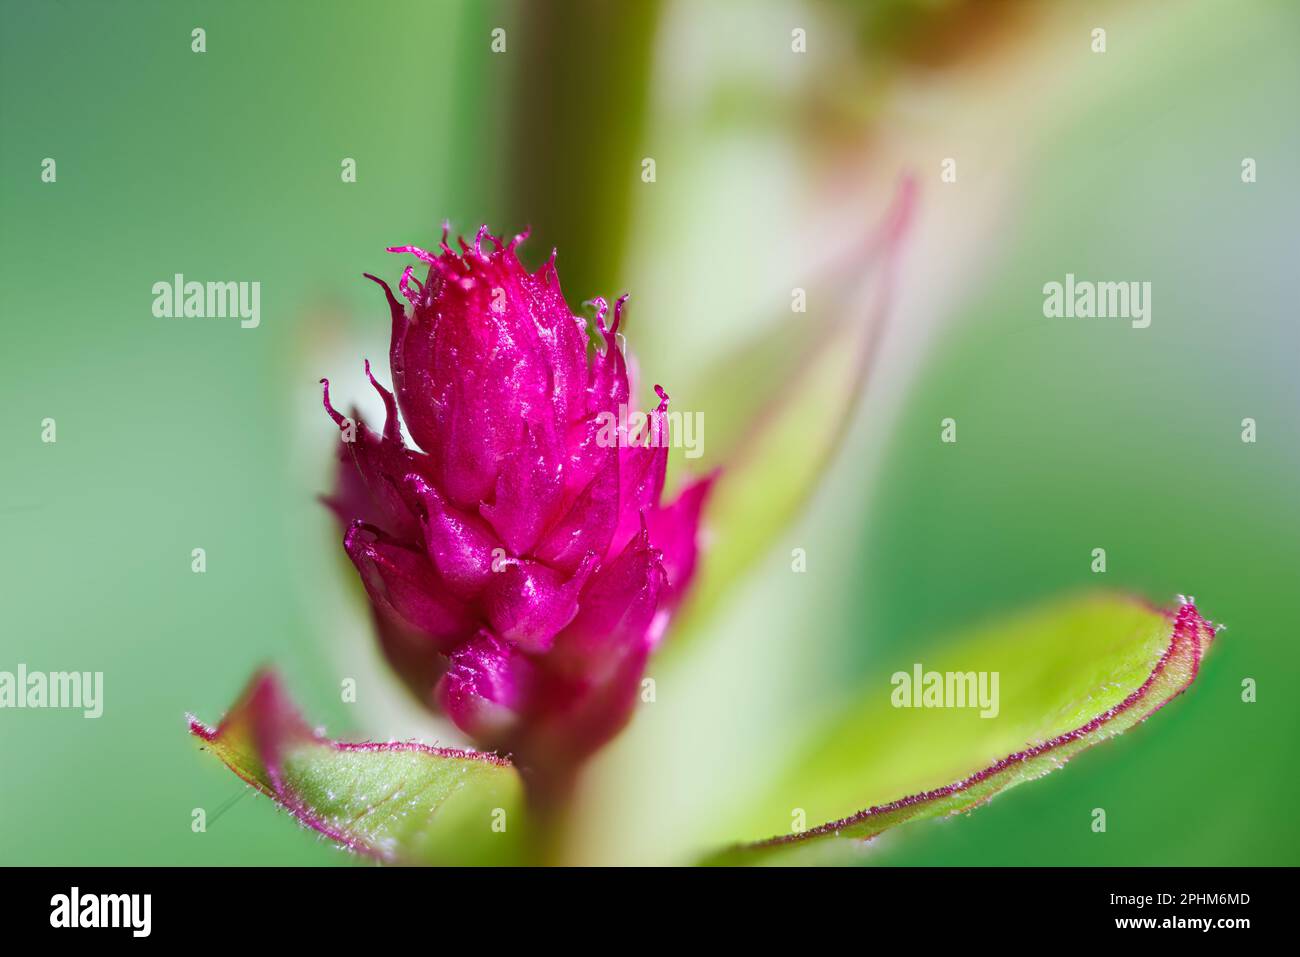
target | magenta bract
x=519, y=562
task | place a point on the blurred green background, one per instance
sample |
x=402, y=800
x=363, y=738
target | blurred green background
x=225, y=165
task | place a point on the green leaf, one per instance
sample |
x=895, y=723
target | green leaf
x=1070, y=675
x=780, y=406
x=399, y=802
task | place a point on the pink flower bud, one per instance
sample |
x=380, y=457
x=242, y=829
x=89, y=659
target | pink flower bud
x=519, y=564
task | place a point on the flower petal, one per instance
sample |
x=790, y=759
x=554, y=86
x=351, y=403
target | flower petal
x=370, y=469
x=402, y=585
x=485, y=687
x=642, y=466
x=528, y=603
x=489, y=350
x=616, y=615
x=529, y=488
x=588, y=524
x=675, y=531
x=459, y=545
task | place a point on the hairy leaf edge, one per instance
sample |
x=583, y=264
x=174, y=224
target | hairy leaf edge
x=260, y=699
x=1186, y=637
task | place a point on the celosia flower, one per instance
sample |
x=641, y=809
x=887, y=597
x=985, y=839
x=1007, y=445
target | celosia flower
x=519, y=562
x=521, y=569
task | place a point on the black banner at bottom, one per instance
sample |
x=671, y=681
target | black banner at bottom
x=331, y=906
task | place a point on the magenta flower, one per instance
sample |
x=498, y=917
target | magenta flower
x=519, y=563
x=521, y=569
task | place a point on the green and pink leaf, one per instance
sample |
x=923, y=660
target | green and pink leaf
x=396, y=802
x=1073, y=675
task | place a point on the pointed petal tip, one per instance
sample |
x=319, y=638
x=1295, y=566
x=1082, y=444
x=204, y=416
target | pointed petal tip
x=355, y=528
x=334, y=413
x=519, y=238
x=484, y=232
x=404, y=285
x=198, y=728
x=383, y=392
x=602, y=310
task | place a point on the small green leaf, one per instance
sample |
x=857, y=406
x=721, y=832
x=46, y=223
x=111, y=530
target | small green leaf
x=400, y=802
x=1070, y=675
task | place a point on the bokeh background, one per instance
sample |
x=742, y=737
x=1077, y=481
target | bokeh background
x=225, y=165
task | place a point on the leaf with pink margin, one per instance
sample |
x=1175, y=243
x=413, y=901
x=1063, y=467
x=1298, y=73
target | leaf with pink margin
x=396, y=802
x=1072, y=674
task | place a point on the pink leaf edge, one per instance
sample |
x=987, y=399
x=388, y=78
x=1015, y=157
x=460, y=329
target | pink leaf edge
x=1191, y=636
x=275, y=724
